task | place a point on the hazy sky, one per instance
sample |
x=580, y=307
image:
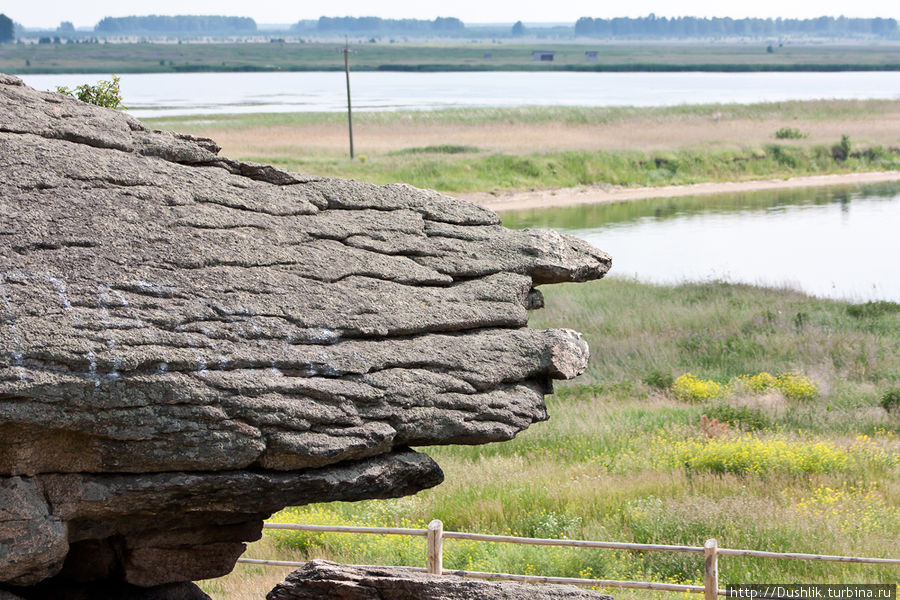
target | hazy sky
x=48, y=13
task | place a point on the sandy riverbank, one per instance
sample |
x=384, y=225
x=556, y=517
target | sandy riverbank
x=596, y=194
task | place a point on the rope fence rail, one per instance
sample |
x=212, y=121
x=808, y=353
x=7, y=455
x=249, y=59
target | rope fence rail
x=435, y=535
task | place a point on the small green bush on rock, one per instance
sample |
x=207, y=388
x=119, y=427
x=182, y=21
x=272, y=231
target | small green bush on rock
x=103, y=93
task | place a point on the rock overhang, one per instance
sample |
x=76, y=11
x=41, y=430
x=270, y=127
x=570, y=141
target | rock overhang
x=172, y=315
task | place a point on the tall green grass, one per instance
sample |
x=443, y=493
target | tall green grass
x=464, y=172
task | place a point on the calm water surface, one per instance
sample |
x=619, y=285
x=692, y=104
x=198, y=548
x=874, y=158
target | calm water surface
x=170, y=94
x=832, y=243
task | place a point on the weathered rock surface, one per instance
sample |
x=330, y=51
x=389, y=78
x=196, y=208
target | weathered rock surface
x=189, y=343
x=320, y=579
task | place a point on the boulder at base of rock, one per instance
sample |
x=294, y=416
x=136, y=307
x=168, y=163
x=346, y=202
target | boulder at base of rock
x=320, y=579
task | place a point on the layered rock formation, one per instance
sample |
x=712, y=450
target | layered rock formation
x=322, y=579
x=189, y=343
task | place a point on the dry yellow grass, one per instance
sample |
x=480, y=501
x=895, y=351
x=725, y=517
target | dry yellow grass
x=639, y=134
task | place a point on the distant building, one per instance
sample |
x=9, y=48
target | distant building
x=590, y=55
x=542, y=55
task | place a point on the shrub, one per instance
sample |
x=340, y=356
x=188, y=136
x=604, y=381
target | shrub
x=786, y=156
x=874, y=154
x=841, y=150
x=890, y=401
x=789, y=133
x=104, y=93
x=792, y=385
x=745, y=417
x=756, y=383
x=659, y=379
x=691, y=388
x=752, y=454
x=872, y=309
x=749, y=454
x=439, y=149
x=796, y=387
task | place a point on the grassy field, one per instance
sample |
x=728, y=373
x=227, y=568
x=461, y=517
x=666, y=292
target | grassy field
x=465, y=150
x=171, y=58
x=803, y=457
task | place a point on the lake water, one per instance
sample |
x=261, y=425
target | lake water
x=170, y=94
x=835, y=243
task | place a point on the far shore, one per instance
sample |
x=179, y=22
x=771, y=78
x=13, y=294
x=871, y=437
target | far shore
x=611, y=154
x=597, y=194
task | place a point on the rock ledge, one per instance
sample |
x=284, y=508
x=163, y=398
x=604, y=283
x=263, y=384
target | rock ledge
x=189, y=343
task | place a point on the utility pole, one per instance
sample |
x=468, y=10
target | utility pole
x=349, y=110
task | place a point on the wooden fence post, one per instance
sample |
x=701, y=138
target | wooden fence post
x=711, y=569
x=435, y=547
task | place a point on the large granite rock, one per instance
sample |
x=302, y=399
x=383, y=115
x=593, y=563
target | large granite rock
x=189, y=343
x=320, y=579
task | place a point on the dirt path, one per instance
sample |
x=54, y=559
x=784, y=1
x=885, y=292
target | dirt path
x=596, y=194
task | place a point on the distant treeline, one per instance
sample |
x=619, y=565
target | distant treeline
x=649, y=27
x=374, y=25
x=7, y=29
x=693, y=27
x=183, y=24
